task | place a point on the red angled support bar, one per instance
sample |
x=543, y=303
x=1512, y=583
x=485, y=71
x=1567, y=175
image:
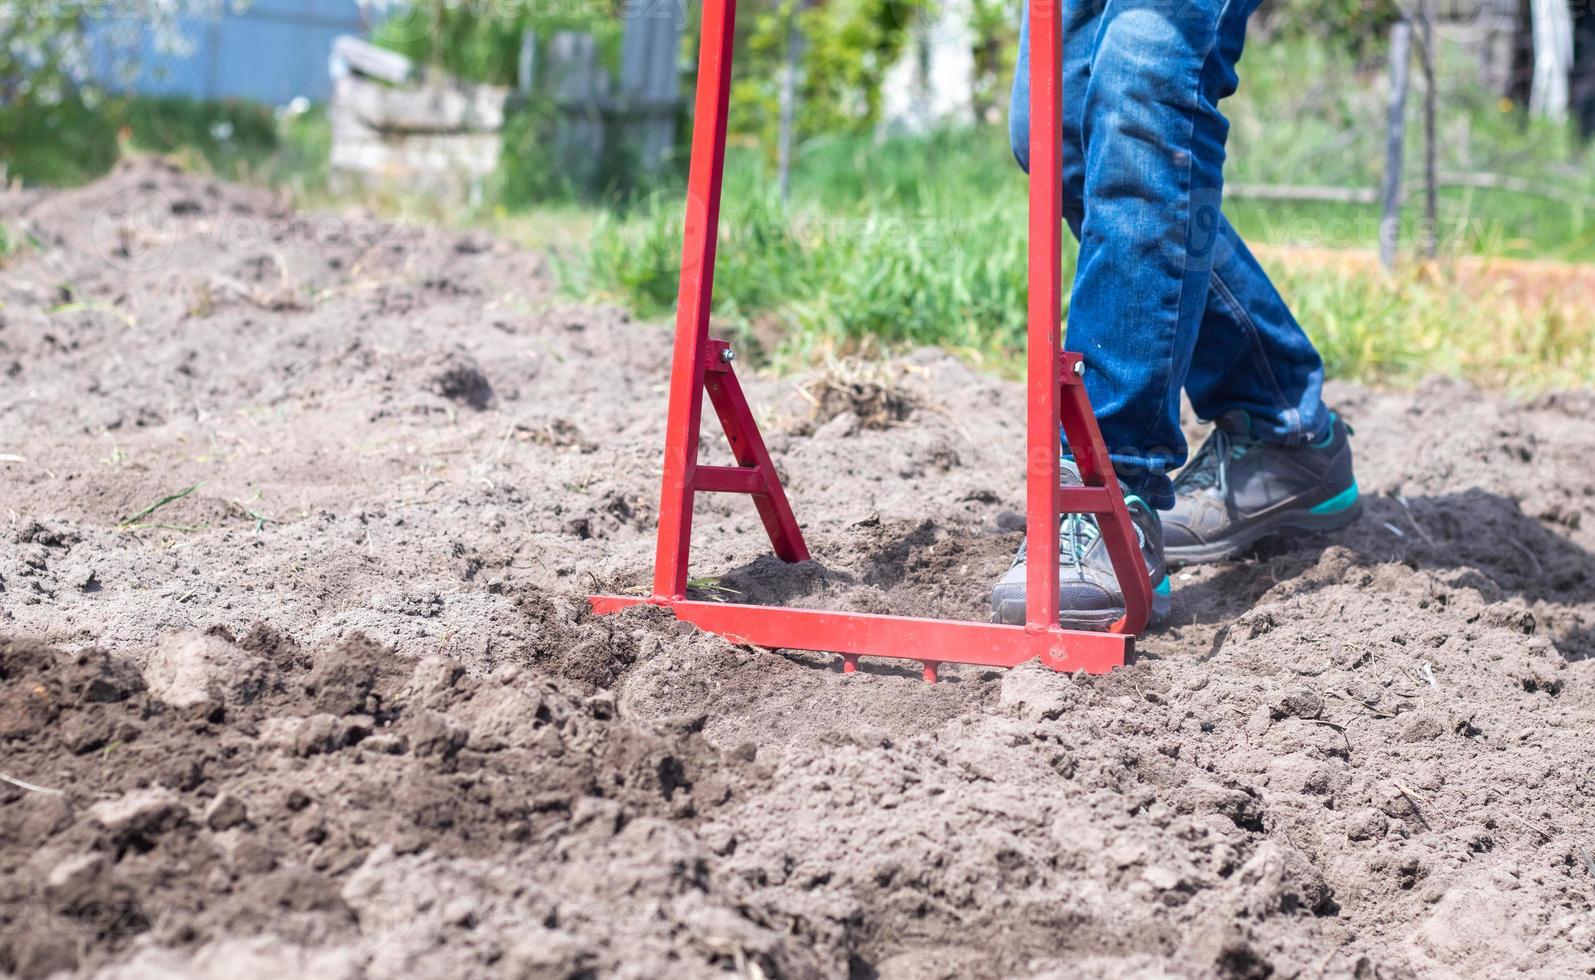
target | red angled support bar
x=1055, y=395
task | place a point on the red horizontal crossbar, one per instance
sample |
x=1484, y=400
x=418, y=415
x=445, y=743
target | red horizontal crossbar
x=927, y=641
x=1085, y=500
x=729, y=479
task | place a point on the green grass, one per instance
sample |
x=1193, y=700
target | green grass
x=927, y=254
x=74, y=141
x=1377, y=328
x=922, y=240
x=58, y=145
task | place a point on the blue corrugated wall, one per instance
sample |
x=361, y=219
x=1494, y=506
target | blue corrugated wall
x=272, y=51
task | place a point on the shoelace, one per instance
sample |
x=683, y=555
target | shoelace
x=1210, y=468
x=1077, y=535
x=1072, y=527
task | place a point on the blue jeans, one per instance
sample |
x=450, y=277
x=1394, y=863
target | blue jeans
x=1166, y=294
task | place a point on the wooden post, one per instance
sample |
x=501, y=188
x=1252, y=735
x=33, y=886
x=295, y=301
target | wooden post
x=783, y=145
x=577, y=86
x=1431, y=203
x=1552, y=30
x=526, y=63
x=1390, y=220
x=649, y=46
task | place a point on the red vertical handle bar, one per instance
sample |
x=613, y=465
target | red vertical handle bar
x=1045, y=314
x=702, y=227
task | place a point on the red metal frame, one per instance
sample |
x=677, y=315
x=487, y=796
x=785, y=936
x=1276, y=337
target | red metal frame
x=1055, y=395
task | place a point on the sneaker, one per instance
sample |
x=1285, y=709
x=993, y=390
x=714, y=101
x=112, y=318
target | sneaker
x=1089, y=597
x=1238, y=490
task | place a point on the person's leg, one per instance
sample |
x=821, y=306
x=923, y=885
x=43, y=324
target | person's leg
x=1277, y=461
x=1088, y=593
x=1248, y=351
x=1154, y=158
x=1252, y=355
x=1166, y=295
x=1080, y=21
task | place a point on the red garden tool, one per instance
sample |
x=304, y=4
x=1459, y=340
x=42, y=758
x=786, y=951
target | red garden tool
x=1054, y=391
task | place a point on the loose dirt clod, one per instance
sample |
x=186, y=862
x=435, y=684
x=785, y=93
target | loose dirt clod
x=341, y=710
x=856, y=394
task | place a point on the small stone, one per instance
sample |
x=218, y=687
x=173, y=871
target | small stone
x=1396, y=804
x=1281, y=879
x=75, y=875
x=225, y=811
x=386, y=744
x=1422, y=728
x=187, y=669
x=1368, y=824
x=1299, y=704
x=318, y=735
x=138, y=818
x=251, y=856
x=139, y=810
x=1033, y=692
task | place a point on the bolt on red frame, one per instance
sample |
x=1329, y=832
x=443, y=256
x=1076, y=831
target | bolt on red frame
x=1054, y=394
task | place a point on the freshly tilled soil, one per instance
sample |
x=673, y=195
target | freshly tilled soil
x=339, y=709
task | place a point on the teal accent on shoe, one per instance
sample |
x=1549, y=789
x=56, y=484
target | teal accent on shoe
x=1329, y=437
x=1339, y=501
x=1164, y=587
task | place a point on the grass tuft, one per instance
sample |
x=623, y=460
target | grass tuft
x=136, y=522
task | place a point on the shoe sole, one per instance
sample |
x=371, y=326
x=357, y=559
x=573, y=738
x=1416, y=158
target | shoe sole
x=1012, y=613
x=1282, y=525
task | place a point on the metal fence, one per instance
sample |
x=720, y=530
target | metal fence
x=271, y=51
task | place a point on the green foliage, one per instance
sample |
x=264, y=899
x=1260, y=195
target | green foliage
x=304, y=152
x=41, y=52
x=459, y=41
x=847, y=48
x=72, y=142
x=1289, y=127
x=228, y=134
x=534, y=168
x=996, y=51
x=56, y=144
x=482, y=42
x=927, y=255
x=1355, y=27
x=528, y=172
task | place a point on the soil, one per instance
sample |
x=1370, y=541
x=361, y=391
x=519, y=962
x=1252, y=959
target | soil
x=339, y=710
